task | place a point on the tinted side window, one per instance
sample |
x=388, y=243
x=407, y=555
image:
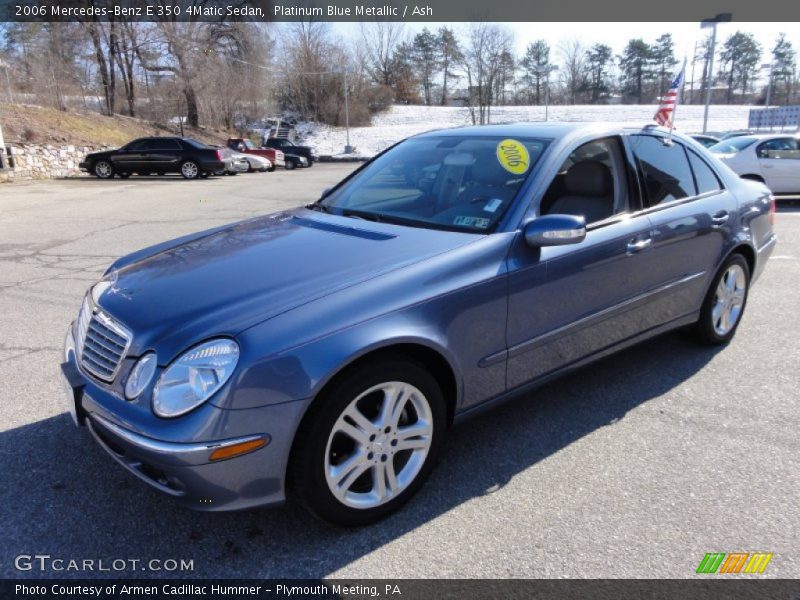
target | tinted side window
x=166, y=144
x=136, y=146
x=705, y=178
x=664, y=170
x=780, y=148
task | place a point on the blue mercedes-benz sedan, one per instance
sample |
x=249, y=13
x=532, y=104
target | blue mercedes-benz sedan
x=325, y=351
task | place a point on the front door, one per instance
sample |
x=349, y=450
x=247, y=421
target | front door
x=568, y=302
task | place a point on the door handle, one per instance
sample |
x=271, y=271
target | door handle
x=637, y=245
x=720, y=218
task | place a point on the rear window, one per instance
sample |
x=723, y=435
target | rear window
x=195, y=144
x=664, y=170
x=732, y=145
x=704, y=176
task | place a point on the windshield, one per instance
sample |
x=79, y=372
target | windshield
x=732, y=145
x=446, y=182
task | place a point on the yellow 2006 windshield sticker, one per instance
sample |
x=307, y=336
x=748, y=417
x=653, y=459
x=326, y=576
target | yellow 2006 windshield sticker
x=513, y=156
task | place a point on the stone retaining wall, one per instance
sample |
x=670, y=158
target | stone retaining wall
x=43, y=161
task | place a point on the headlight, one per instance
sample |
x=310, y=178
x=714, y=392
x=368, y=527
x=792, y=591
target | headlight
x=140, y=376
x=194, y=377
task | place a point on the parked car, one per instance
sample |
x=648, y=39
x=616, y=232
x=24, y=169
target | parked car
x=328, y=348
x=737, y=133
x=245, y=146
x=255, y=163
x=160, y=155
x=235, y=163
x=704, y=140
x=288, y=147
x=773, y=159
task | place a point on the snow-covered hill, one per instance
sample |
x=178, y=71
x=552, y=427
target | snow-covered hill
x=402, y=121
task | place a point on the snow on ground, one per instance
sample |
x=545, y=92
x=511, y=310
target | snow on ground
x=399, y=122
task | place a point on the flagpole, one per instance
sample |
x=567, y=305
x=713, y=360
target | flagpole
x=678, y=96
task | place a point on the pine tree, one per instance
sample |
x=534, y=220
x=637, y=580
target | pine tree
x=536, y=54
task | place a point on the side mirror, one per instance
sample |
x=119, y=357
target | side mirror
x=555, y=230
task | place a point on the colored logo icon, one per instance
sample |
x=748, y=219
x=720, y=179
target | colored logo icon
x=736, y=562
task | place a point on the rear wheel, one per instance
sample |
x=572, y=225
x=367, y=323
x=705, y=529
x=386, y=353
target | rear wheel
x=190, y=170
x=367, y=446
x=725, y=302
x=290, y=165
x=103, y=169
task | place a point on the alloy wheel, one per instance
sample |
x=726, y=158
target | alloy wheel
x=103, y=169
x=190, y=170
x=378, y=445
x=729, y=300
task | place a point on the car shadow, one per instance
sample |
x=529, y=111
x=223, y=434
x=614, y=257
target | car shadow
x=64, y=497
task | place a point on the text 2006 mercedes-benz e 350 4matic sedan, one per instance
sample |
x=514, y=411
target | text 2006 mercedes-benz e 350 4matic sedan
x=324, y=351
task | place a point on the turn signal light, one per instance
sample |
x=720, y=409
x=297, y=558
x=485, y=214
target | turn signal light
x=227, y=452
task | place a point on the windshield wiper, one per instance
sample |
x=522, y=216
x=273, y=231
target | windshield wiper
x=367, y=216
x=319, y=207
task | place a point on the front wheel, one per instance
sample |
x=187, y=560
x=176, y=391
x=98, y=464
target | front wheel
x=190, y=170
x=103, y=169
x=725, y=302
x=367, y=446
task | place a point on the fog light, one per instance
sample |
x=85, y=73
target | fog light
x=140, y=376
x=237, y=449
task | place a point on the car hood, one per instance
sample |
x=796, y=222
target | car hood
x=234, y=277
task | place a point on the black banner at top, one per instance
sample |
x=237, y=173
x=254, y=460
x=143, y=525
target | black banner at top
x=398, y=10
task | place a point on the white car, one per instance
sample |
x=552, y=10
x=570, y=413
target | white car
x=773, y=159
x=256, y=163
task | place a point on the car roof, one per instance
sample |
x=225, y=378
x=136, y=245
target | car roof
x=549, y=129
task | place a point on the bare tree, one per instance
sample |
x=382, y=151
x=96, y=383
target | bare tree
x=574, y=71
x=381, y=40
x=486, y=53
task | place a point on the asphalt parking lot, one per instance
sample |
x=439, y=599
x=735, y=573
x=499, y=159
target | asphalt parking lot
x=633, y=467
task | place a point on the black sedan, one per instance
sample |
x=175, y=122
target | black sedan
x=160, y=155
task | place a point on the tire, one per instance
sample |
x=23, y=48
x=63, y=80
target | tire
x=190, y=169
x=289, y=165
x=321, y=445
x=724, y=303
x=271, y=169
x=204, y=175
x=103, y=169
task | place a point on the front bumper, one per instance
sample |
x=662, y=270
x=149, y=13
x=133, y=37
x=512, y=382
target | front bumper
x=173, y=455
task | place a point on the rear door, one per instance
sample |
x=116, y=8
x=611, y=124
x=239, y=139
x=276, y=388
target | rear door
x=691, y=215
x=780, y=163
x=162, y=154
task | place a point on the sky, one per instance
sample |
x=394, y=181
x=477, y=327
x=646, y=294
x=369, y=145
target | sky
x=617, y=35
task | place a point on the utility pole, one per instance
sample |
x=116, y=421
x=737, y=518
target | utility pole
x=771, y=66
x=545, y=69
x=348, y=149
x=704, y=24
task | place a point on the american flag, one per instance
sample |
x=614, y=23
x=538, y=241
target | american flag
x=666, y=109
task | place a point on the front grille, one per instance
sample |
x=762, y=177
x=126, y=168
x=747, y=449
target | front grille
x=102, y=342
